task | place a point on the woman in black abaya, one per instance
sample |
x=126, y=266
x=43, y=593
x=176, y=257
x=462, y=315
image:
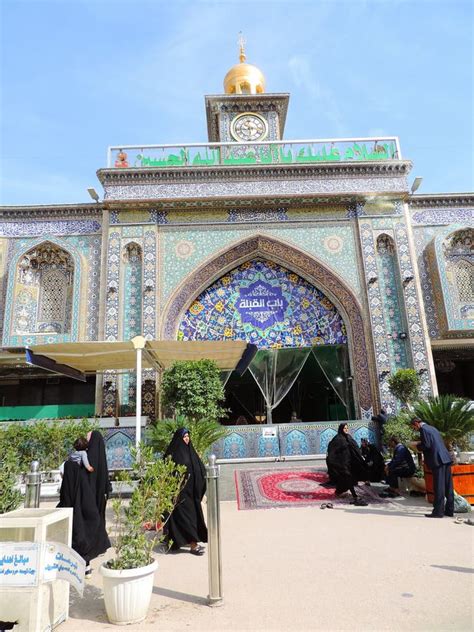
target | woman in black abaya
x=186, y=525
x=99, y=478
x=346, y=465
x=87, y=493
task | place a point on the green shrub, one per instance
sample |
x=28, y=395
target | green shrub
x=48, y=442
x=194, y=390
x=399, y=426
x=404, y=384
x=10, y=496
x=203, y=434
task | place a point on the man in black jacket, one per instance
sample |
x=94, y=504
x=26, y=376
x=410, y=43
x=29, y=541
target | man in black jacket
x=401, y=466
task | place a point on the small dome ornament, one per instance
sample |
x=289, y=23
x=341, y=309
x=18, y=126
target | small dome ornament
x=244, y=78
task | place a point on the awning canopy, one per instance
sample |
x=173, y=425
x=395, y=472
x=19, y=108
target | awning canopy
x=96, y=357
x=76, y=359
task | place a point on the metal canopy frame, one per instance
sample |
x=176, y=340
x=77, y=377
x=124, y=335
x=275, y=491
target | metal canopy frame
x=76, y=359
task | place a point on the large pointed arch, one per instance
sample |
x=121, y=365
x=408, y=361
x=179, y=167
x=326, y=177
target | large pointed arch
x=308, y=267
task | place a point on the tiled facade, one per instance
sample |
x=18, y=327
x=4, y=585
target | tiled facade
x=154, y=256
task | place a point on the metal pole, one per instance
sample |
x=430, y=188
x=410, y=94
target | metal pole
x=138, y=399
x=33, y=486
x=215, y=597
x=139, y=343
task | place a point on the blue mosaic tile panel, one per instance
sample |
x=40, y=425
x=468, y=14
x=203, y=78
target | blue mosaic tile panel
x=304, y=317
x=118, y=443
x=457, y=319
x=75, y=246
x=132, y=297
x=305, y=439
x=422, y=237
x=392, y=302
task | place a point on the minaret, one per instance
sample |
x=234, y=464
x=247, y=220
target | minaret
x=245, y=112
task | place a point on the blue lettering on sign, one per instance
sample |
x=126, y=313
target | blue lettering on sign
x=261, y=304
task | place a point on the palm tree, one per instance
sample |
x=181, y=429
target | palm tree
x=451, y=415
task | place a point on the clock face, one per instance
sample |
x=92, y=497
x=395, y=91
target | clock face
x=249, y=127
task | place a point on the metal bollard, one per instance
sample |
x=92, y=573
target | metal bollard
x=215, y=597
x=33, y=486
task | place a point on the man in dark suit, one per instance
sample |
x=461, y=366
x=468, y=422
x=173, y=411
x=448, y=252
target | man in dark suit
x=437, y=458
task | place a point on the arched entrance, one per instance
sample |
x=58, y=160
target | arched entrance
x=264, y=303
x=326, y=285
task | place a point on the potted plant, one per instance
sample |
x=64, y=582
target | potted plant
x=128, y=577
x=454, y=418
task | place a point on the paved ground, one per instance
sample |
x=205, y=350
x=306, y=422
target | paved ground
x=369, y=568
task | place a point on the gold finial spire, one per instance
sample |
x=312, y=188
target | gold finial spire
x=244, y=78
x=241, y=42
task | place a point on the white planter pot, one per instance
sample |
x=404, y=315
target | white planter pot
x=127, y=593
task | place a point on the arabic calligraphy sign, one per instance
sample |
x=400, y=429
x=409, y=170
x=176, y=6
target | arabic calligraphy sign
x=212, y=155
x=27, y=563
x=261, y=304
x=19, y=564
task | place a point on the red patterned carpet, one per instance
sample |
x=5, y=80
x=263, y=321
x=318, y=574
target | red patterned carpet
x=269, y=489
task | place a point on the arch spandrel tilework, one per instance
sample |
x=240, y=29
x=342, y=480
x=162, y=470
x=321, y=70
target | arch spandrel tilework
x=302, y=264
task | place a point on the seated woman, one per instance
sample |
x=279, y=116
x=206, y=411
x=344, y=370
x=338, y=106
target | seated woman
x=346, y=465
x=374, y=460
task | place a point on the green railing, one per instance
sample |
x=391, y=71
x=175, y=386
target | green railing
x=254, y=153
x=52, y=411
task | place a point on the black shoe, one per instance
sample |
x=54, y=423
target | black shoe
x=432, y=516
x=198, y=550
x=449, y=515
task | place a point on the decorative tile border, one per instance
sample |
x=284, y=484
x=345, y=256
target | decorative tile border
x=379, y=331
x=291, y=440
x=412, y=309
x=261, y=186
x=33, y=229
x=443, y=217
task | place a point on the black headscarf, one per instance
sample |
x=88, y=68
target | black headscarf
x=89, y=537
x=99, y=478
x=186, y=523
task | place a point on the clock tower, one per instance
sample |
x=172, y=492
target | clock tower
x=245, y=113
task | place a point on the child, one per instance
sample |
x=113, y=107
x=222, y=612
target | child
x=80, y=455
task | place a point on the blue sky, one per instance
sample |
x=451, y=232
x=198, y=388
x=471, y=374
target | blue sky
x=78, y=76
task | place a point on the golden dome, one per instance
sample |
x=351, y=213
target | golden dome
x=244, y=78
